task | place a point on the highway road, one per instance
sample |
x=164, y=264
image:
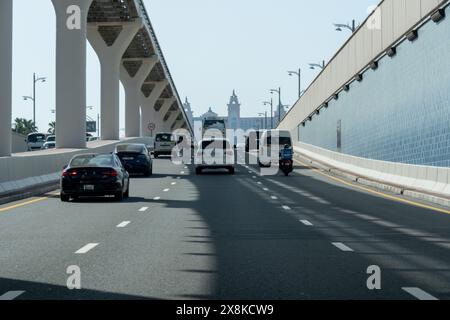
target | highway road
x=217, y=236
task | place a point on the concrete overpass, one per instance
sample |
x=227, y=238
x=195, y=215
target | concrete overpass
x=128, y=50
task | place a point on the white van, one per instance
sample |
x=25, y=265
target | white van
x=270, y=138
x=35, y=141
x=164, y=143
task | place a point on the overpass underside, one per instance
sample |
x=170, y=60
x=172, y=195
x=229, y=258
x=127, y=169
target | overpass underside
x=128, y=51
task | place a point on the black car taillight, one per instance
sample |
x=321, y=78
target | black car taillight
x=70, y=173
x=110, y=173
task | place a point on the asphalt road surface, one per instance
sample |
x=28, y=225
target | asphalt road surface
x=218, y=236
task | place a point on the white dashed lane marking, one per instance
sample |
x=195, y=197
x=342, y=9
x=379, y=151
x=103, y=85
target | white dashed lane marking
x=166, y=190
x=420, y=294
x=123, y=224
x=286, y=208
x=11, y=295
x=173, y=183
x=143, y=209
x=306, y=223
x=342, y=246
x=274, y=198
x=87, y=248
x=157, y=198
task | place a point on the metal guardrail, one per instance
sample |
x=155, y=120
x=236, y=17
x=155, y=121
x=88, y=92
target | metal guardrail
x=148, y=24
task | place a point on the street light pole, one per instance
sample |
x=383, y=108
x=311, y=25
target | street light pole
x=340, y=26
x=33, y=98
x=299, y=74
x=267, y=103
x=279, y=101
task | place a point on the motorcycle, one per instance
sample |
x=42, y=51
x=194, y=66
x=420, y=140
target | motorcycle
x=286, y=163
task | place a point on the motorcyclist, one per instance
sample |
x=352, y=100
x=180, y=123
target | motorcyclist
x=286, y=153
x=286, y=159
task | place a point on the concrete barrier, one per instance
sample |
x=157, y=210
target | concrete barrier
x=33, y=169
x=406, y=178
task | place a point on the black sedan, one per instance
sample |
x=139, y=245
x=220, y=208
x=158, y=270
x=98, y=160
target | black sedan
x=135, y=158
x=95, y=175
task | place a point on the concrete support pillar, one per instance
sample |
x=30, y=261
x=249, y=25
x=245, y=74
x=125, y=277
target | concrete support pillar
x=148, y=113
x=133, y=91
x=71, y=23
x=110, y=60
x=6, y=26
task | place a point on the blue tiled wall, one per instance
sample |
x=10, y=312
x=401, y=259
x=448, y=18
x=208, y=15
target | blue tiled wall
x=399, y=112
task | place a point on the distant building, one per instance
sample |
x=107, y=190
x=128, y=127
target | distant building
x=235, y=121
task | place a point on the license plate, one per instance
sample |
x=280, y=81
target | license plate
x=89, y=187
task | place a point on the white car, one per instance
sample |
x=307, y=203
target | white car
x=164, y=144
x=214, y=153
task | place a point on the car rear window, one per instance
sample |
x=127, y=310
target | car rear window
x=130, y=148
x=36, y=138
x=216, y=144
x=164, y=138
x=102, y=160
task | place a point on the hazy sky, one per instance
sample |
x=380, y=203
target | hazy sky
x=211, y=47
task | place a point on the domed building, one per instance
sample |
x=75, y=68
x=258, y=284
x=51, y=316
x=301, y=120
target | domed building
x=234, y=120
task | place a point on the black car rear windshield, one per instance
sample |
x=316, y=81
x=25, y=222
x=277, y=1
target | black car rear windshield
x=216, y=144
x=164, y=138
x=102, y=160
x=130, y=148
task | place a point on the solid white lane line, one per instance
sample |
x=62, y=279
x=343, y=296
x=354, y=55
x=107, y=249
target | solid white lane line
x=286, y=208
x=166, y=190
x=306, y=223
x=123, y=224
x=274, y=198
x=87, y=248
x=419, y=294
x=342, y=246
x=11, y=295
x=143, y=209
x=157, y=198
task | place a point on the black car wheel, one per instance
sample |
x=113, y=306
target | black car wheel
x=198, y=171
x=119, y=196
x=127, y=193
x=64, y=198
x=231, y=170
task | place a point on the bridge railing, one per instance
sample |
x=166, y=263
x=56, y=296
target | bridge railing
x=405, y=178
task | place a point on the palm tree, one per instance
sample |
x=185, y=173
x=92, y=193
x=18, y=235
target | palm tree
x=24, y=126
x=52, y=127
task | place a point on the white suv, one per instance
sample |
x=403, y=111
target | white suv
x=214, y=153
